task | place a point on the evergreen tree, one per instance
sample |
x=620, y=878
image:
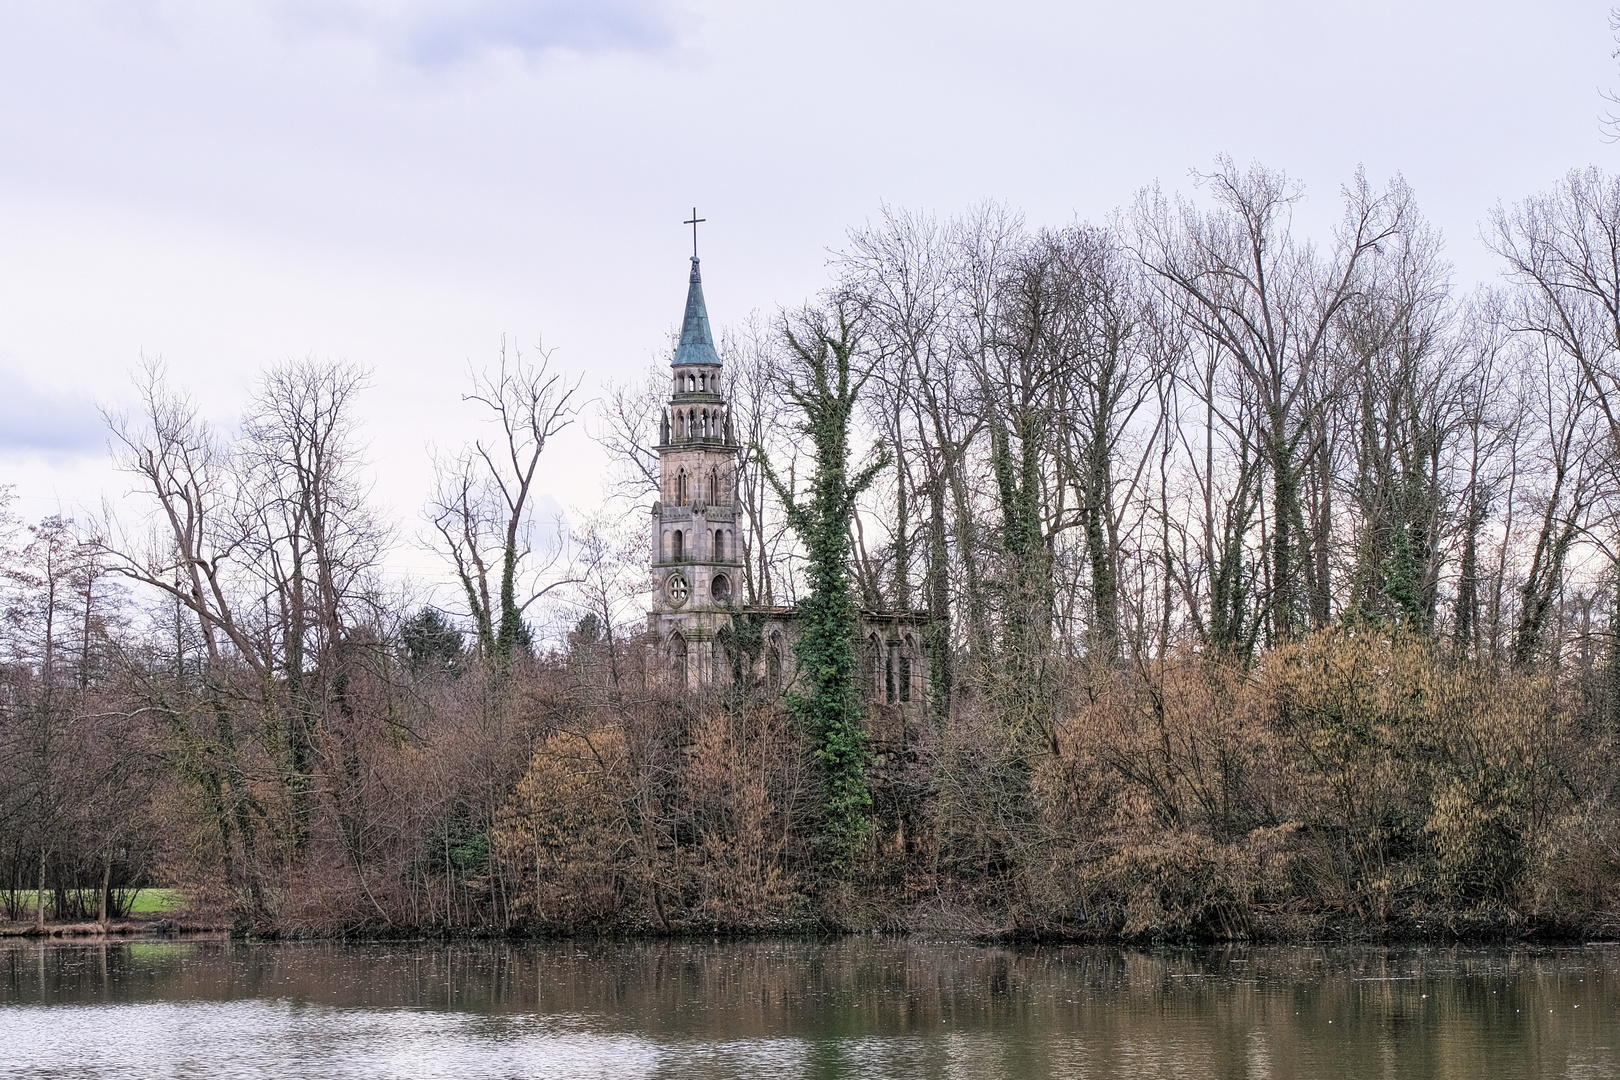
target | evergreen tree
x=431, y=643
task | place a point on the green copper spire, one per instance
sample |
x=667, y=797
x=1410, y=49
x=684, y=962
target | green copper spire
x=697, y=342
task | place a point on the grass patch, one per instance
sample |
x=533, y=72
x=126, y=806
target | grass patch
x=157, y=902
x=146, y=902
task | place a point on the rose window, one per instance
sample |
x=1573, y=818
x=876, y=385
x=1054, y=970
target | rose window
x=675, y=589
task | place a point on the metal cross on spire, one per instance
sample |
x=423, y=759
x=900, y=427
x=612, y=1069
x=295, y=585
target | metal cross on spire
x=693, y=221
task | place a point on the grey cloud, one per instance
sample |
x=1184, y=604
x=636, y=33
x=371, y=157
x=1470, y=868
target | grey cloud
x=32, y=421
x=437, y=34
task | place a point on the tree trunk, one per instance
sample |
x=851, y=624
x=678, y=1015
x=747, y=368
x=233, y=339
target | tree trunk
x=106, y=883
x=39, y=895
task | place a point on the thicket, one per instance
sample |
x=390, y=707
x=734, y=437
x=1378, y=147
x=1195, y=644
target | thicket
x=1267, y=589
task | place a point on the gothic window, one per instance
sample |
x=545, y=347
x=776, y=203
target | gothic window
x=714, y=488
x=680, y=489
x=890, y=661
x=907, y=652
x=773, y=663
x=717, y=663
x=871, y=657
x=679, y=545
x=677, y=660
x=676, y=590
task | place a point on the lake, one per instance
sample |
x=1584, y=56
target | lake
x=867, y=1007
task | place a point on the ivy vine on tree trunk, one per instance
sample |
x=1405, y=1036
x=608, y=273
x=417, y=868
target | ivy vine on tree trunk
x=824, y=385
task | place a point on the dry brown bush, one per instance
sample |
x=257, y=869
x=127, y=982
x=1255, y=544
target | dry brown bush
x=565, y=826
x=1353, y=781
x=735, y=775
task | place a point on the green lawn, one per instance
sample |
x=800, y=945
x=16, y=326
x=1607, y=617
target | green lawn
x=147, y=902
x=157, y=902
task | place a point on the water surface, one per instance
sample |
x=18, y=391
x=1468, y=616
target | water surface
x=863, y=1007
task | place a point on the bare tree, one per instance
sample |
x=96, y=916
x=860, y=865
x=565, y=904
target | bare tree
x=482, y=508
x=627, y=428
x=183, y=468
x=1270, y=303
x=315, y=545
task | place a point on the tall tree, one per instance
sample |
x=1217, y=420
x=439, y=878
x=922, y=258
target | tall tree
x=824, y=378
x=1269, y=303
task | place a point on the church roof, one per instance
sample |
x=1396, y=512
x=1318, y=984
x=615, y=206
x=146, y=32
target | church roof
x=697, y=342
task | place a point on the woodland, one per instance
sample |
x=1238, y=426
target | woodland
x=1270, y=586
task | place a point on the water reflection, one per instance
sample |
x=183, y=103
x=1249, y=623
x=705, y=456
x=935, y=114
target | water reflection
x=853, y=1007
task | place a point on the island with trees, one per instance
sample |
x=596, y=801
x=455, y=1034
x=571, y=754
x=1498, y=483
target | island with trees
x=1177, y=577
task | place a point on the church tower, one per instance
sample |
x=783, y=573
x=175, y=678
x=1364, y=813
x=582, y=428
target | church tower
x=695, y=560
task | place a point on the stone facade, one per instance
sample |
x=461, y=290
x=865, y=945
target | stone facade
x=696, y=562
x=697, y=567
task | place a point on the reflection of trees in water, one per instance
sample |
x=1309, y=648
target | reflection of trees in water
x=1228, y=1011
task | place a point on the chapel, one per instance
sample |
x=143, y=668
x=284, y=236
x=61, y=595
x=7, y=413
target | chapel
x=698, y=550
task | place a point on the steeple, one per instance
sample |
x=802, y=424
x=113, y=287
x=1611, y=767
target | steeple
x=697, y=342
x=696, y=558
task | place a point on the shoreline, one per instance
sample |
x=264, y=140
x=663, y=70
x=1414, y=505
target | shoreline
x=214, y=929
x=115, y=928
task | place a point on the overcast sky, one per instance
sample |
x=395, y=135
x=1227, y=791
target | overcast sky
x=400, y=184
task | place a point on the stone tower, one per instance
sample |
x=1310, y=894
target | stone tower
x=695, y=560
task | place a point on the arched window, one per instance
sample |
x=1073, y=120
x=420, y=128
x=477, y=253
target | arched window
x=703, y=380
x=677, y=661
x=679, y=549
x=691, y=382
x=680, y=489
x=714, y=488
x=773, y=664
x=871, y=658
x=719, y=546
x=890, y=659
x=908, y=650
